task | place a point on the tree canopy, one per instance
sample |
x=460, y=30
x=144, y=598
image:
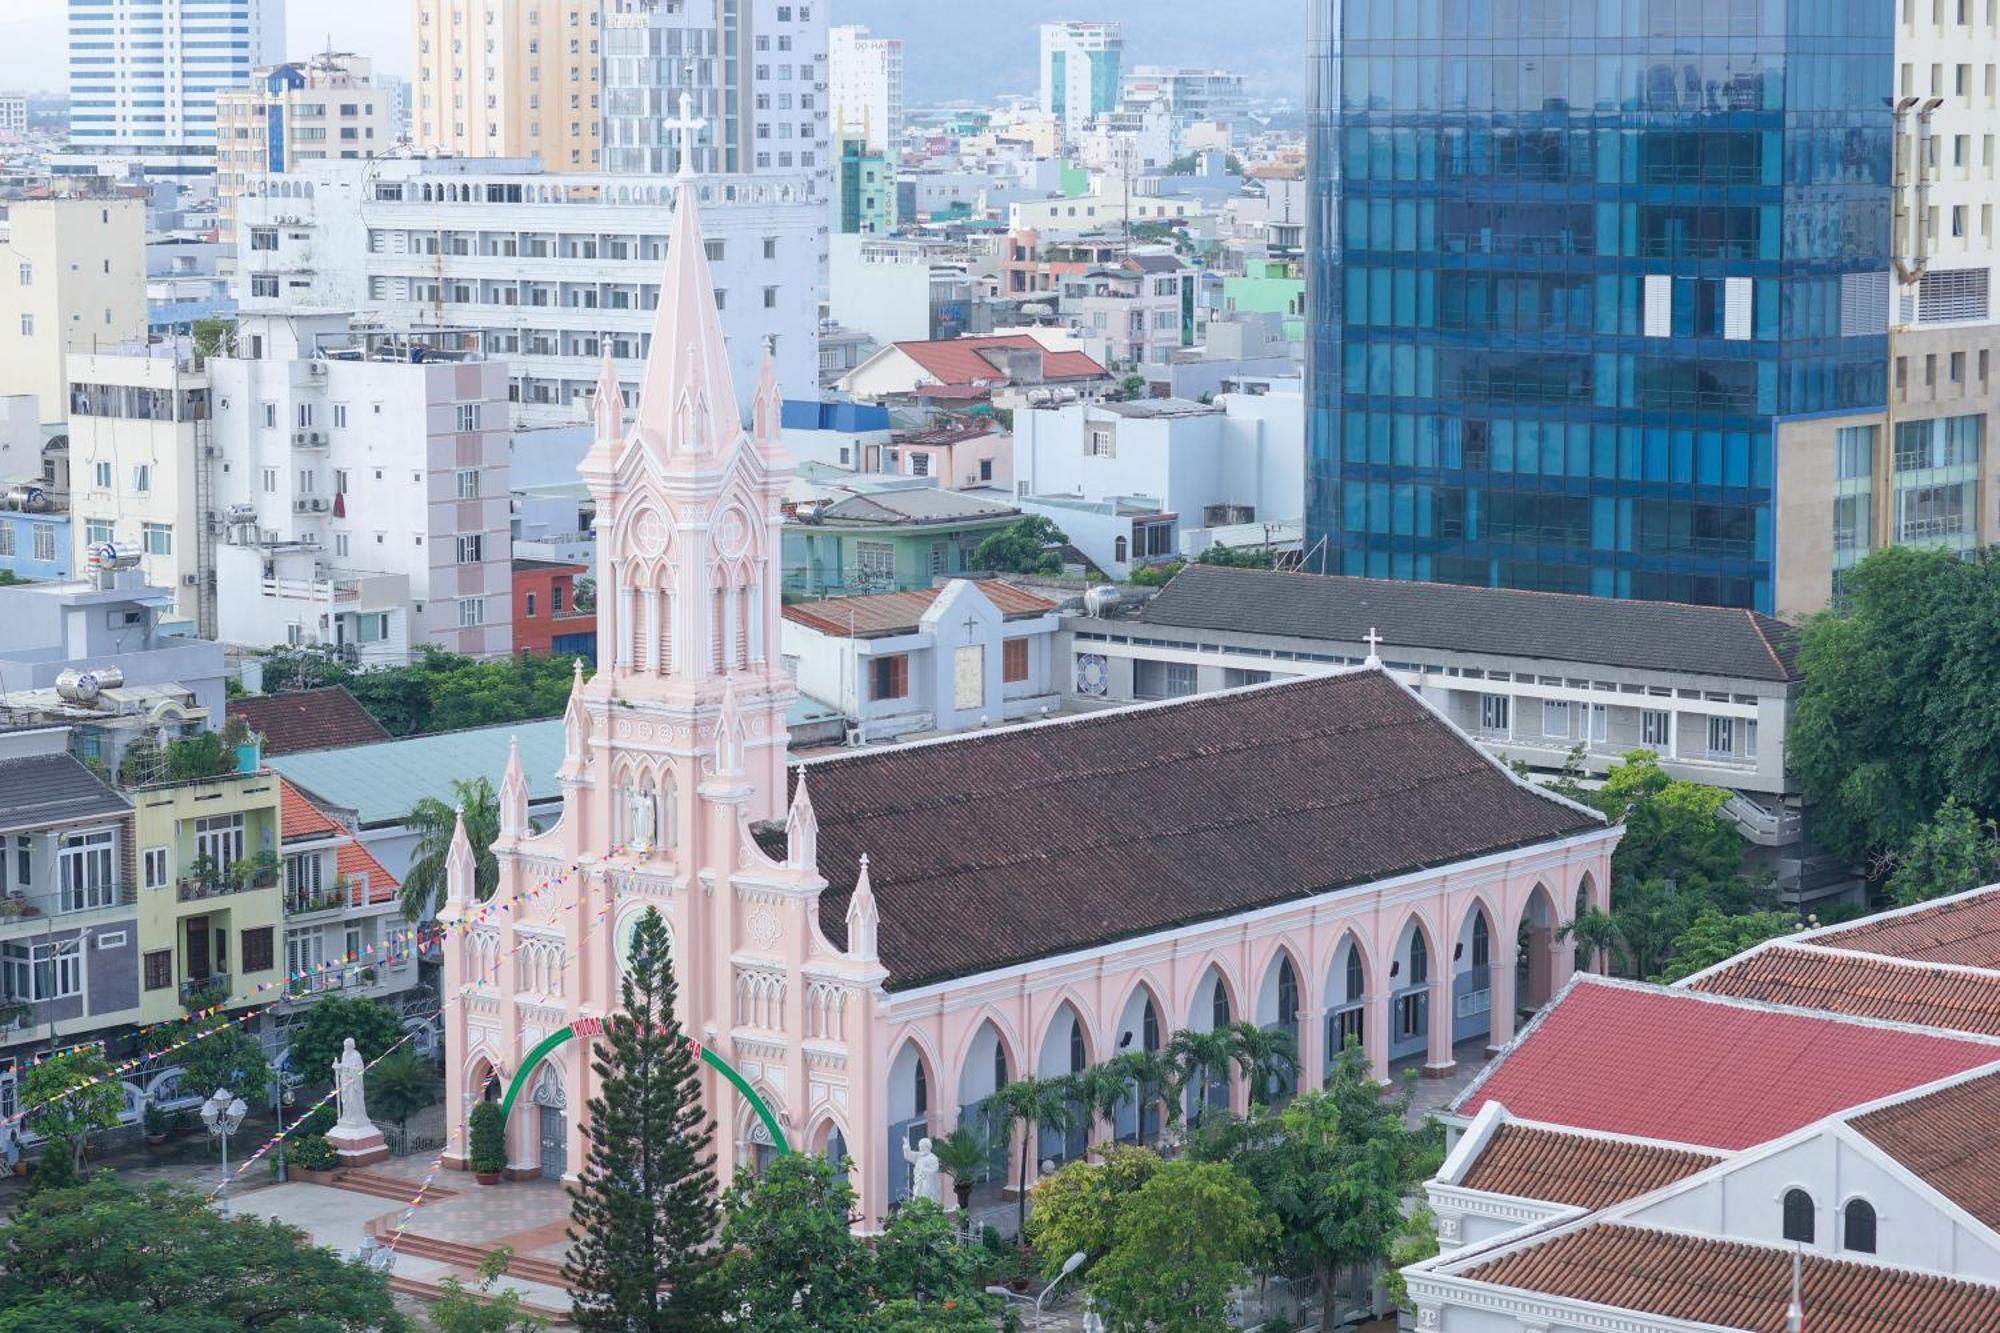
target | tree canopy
x=1182, y=1242
x=1029, y=545
x=790, y=1263
x=1955, y=851
x=434, y=823
x=1714, y=936
x=70, y=1096
x=317, y=1042
x=439, y=691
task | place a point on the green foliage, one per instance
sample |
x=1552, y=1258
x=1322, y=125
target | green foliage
x=317, y=1042
x=434, y=823
x=1955, y=851
x=1028, y=545
x=973, y=1315
x=1182, y=1243
x=1715, y=936
x=961, y=1154
x=1239, y=557
x=403, y=1082
x=1155, y=576
x=790, y=1264
x=488, y=1150
x=1031, y=1103
x=319, y=1120
x=1077, y=1208
x=213, y=338
x=102, y=1256
x=311, y=1152
x=488, y=1308
x=1132, y=386
x=228, y=1057
x=643, y=1207
x=68, y=1097
x=144, y=761
x=438, y=692
x=918, y=1258
x=202, y=755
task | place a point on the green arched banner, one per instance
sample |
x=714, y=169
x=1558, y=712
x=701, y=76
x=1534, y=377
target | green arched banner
x=592, y=1027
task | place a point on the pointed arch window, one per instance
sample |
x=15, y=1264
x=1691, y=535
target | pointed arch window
x=1288, y=997
x=1218, y=1006
x=1420, y=959
x=922, y=1091
x=1356, y=979
x=1798, y=1216
x=1482, y=942
x=1149, y=1028
x=999, y=1065
x=1075, y=1046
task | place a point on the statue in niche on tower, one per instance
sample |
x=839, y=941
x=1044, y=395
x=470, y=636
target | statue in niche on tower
x=640, y=816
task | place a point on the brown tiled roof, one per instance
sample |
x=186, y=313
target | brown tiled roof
x=1851, y=983
x=1964, y=931
x=357, y=862
x=1735, y=1285
x=1006, y=846
x=1951, y=1139
x=902, y=612
x=1582, y=1170
x=321, y=719
x=299, y=818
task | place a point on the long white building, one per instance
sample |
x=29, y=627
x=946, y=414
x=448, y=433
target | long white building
x=143, y=77
x=867, y=77
x=546, y=267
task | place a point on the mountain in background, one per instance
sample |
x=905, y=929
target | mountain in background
x=954, y=50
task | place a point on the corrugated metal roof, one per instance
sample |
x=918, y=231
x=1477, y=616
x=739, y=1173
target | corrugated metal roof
x=50, y=788
x=381, y=782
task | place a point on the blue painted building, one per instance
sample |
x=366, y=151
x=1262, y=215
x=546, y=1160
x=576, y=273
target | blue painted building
x=35, y=546
x=1572, y=266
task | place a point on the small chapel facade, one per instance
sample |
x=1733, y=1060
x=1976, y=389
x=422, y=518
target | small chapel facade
x=869, y=945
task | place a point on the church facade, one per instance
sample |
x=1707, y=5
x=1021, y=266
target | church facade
x=868, y=945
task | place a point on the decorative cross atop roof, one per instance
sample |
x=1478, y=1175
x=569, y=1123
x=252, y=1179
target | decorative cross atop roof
x=1374, y=642
x=685, y=126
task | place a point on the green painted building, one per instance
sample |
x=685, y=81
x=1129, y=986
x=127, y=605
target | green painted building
x=867, y=190
x=1270, y=288
x=887, y=541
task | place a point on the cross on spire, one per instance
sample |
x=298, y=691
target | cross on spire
x=1374, y=642
x=684, y=127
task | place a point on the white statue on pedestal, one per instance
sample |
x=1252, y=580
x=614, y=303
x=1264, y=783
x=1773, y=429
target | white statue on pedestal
x=347, y=1081
x=923, y=1170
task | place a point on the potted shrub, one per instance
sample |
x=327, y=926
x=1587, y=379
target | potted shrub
x=960, y=1154
x=312, y=1154
x=155, y=1123
x=489, y=1143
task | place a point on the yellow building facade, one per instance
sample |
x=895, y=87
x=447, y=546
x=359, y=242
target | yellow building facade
x=508, y=78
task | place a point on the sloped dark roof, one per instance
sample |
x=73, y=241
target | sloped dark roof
x=1556, y=627
x=1950, y=1138
x=1002, y=847
x=1582, y=1170
x=903, y=612
x=52, y=788
x=1963, y=930
x=1839, y=982
x=321, y=719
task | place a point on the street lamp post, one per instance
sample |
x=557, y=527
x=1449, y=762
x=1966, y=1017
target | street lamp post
x=1070, y=1265
x=223, y=1114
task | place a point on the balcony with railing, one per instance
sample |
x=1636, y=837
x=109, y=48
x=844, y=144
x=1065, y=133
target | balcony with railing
x=65, y=908
x=214, y=983
x=222, y=883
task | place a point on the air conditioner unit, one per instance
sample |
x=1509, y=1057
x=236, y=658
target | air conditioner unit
x=316, y=369
x=189, y=580
x=316, y=437
x=319, y=506
x=853, y=738
x=301, y=506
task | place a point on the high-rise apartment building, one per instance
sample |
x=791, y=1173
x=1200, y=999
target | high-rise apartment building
x=1080, y=72
x=867, y=77
x=143, y=77
x=1190, y=94
x=72, y=279
x=13, y=115
x=1585, y=285
x=509, y=78
x=305, y=111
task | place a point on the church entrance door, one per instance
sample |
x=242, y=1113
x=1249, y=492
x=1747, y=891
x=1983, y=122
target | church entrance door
x=555, y=1142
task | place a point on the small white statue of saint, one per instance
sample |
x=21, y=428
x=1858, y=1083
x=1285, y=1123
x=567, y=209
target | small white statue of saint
x=639, y=820
x=347, y=1080
x=923, y=1170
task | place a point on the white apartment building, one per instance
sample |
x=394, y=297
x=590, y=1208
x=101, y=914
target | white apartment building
x=362, y=495
x=13, y=115
x=1133, y=314
x=72, y=279
x=546, y=267
x=1080, y=72
x=141, y=465
x=755, y=72
x=1189, y=94
x=867, y=77
x=143, y=77
x=1947, y=115
x=305, y=111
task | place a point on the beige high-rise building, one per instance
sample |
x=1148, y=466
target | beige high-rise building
x=304, y=111
x=72, y=279
x=509, y=78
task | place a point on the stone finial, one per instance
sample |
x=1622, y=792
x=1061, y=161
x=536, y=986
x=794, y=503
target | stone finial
x=863, y=918
x=460, y=867
x=802, y=830
x=513, y=793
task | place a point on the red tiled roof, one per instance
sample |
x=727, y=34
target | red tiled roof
x=1962, y=930
x=298, y=817
x=321, y=719
x=1864, y=986
x=1665, y=1064
x=958, y=360
x=1951, y=1139
x=1581, y=1170
x=354, y=861
x=901, y=612
x=1735, y=1285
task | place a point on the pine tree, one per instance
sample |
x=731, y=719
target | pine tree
x=645, y=1205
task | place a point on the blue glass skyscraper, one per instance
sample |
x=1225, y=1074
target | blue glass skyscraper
x=1572, y=263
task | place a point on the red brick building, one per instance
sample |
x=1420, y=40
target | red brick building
x=545, y=616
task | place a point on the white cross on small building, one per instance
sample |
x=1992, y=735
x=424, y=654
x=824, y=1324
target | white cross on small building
x=1374, y=642
x=684, y=127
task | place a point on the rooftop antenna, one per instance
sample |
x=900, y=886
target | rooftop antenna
x=1795, y=1313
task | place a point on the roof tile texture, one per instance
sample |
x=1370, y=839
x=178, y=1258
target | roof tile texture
x=298, y=817
x=1008, y=846
x=1664, y=1064
x=1581, y=1170
x=353, y=860
x=901, y=612
x=1847, y=983
x=1951, y=1139
x=1735, y=1285
x=1965, y=932
x=319, y=719
x=958, y=360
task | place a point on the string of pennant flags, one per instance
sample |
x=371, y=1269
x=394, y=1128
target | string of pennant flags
x=414, y=944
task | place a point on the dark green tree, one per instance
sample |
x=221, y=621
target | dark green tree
x=105, y=1258
x=1183, y=1242
x=317, y=1042
x=918, y=1258
x=1673, y=830
x=1713, y=937
x=1955, y=851
x=486, y=1308
x=790, y=1262
x=644, y=1207
x=1032, y=1103
x=227, y=1057
x=1029, y=545
x=67, y=1098
x=434, y=822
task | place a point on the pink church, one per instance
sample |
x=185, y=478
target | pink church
x=868, y=945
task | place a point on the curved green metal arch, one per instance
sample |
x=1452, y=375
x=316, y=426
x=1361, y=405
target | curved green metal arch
x=709, y=1057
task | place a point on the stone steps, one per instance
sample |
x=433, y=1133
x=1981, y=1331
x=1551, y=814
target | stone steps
x=460, y=1254
x=424, y=1289
x=388, y=1187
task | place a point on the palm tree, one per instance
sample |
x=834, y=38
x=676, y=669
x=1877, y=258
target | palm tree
x=1268, y=1057
x=401, y=1082
x=1102, y=1089
x=1155, y=1078
x=1032, y=1103
x=1597, y=931
x=1203, y=1059
x=962, y=1155
x=433, y=821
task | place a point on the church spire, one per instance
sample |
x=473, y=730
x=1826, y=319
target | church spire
x=802, y=830
x=513, y=794
x=728, y=734
x=460, y=873
x=767, y=412
x=687, y=400
x=607, y=419
x=863, y=919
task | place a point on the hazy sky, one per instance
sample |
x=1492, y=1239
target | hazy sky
x=945, y=55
